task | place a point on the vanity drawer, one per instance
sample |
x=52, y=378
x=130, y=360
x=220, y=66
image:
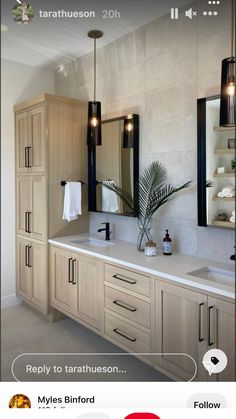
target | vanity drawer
x=136, y=340
x=127, y=279
x=127, y=306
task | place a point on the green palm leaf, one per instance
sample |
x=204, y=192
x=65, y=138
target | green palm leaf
x=150, y=192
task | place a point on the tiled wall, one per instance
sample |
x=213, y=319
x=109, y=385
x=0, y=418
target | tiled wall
x=159, y=71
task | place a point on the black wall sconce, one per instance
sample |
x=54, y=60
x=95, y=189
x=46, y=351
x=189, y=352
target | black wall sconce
x=131, y=130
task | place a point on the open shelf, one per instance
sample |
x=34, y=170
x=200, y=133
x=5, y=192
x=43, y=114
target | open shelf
x=224, y=151
x=226, y=224
x=227, y=174
x=217, y=198
x=224, y=129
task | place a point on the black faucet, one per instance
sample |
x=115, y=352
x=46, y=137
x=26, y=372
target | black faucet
x=106, y=229
x=232, y=257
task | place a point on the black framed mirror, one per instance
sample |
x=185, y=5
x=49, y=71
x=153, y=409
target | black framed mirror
x=216, y=167
x=116, y=160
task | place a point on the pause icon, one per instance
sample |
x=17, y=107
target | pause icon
x=174, y=13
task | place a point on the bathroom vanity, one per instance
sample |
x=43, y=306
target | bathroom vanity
x=147, y=306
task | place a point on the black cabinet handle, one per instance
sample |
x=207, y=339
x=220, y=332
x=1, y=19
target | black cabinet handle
x=26, y=256
x=69, y=271
x=28, y=214
x=29, y=265
x=119, y=332
x=210, y=343
x=200, y=338
x=27, y=158
x=124, y=279
x=26, y=222
x=73, y=272
x=125, y=306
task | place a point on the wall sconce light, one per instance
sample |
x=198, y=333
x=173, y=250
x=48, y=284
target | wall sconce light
x=131, y=130
x=227, y=95
x=94, y=136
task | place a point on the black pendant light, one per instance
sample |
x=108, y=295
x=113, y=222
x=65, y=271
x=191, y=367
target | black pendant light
x=131, y=129
x=227, y=95
x=94, y=136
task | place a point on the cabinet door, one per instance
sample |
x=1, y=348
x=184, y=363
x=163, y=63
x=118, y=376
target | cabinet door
x=180, y=328
x=38, y=216
x=23, y=204
x=23, y=142
x=63, y=293
x=37, y=261
x=37, y=139
x=23, y=271
x=222, y=334
x=90, y=302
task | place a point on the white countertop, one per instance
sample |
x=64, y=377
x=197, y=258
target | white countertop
x=174, y=267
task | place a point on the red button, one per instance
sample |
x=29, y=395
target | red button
x=143, y=415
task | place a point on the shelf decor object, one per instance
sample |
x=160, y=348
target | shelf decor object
x=94, y=136
x=227, y=96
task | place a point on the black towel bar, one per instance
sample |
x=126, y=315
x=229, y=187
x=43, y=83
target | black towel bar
x=63, y=182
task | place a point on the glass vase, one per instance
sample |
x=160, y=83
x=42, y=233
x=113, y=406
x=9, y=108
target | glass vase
x=144, y=235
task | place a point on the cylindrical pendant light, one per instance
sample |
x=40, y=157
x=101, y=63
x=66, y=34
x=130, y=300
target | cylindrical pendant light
x=94, y=136
x=227, y=95
x=131, y=128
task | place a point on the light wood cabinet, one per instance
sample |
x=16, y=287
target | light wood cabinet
x=90, y=291
x=180, y=328
x=31, y=272
x=77, y=286
x=50, y=143
x=188, y=322
x=31, y=207
x=64, y=277
x=30, y=141
x=221, y=334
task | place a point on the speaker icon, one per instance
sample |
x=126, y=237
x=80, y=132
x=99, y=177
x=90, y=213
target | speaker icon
x=190, y=13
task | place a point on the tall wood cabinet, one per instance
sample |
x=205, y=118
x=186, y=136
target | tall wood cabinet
x=50, y=144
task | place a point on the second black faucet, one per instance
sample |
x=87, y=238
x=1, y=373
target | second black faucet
x=106, y=229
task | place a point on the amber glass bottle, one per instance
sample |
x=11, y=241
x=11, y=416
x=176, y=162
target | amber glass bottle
x=167, y=244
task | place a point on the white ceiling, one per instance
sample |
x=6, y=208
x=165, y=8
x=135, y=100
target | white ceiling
x=52, y=42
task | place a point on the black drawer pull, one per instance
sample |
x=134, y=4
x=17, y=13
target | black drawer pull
x=210, y=343
x=125, y=306
x=69, y=271
x=124, y=279
x=118, y=332
x=200, y=338
x=73, y=272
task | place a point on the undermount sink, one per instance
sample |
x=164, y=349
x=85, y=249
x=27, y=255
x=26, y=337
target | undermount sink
x=211, y=273
x=91, y=242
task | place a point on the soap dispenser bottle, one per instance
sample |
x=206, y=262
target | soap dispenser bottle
x=167, y=244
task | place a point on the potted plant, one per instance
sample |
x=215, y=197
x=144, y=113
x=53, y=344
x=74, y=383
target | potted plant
x=150, y=193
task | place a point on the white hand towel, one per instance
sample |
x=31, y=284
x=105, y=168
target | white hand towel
x=228, y=189
x=233, y=213
x=229, y=194
x=72, y=201
x=220, y=194
x=232, y=219
x=109, y=199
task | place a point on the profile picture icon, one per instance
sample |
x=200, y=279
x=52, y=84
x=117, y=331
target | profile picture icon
x=19, y=401
x=22, y=12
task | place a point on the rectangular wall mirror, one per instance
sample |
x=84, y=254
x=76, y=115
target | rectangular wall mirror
x=116, y=161
x=216, y=163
